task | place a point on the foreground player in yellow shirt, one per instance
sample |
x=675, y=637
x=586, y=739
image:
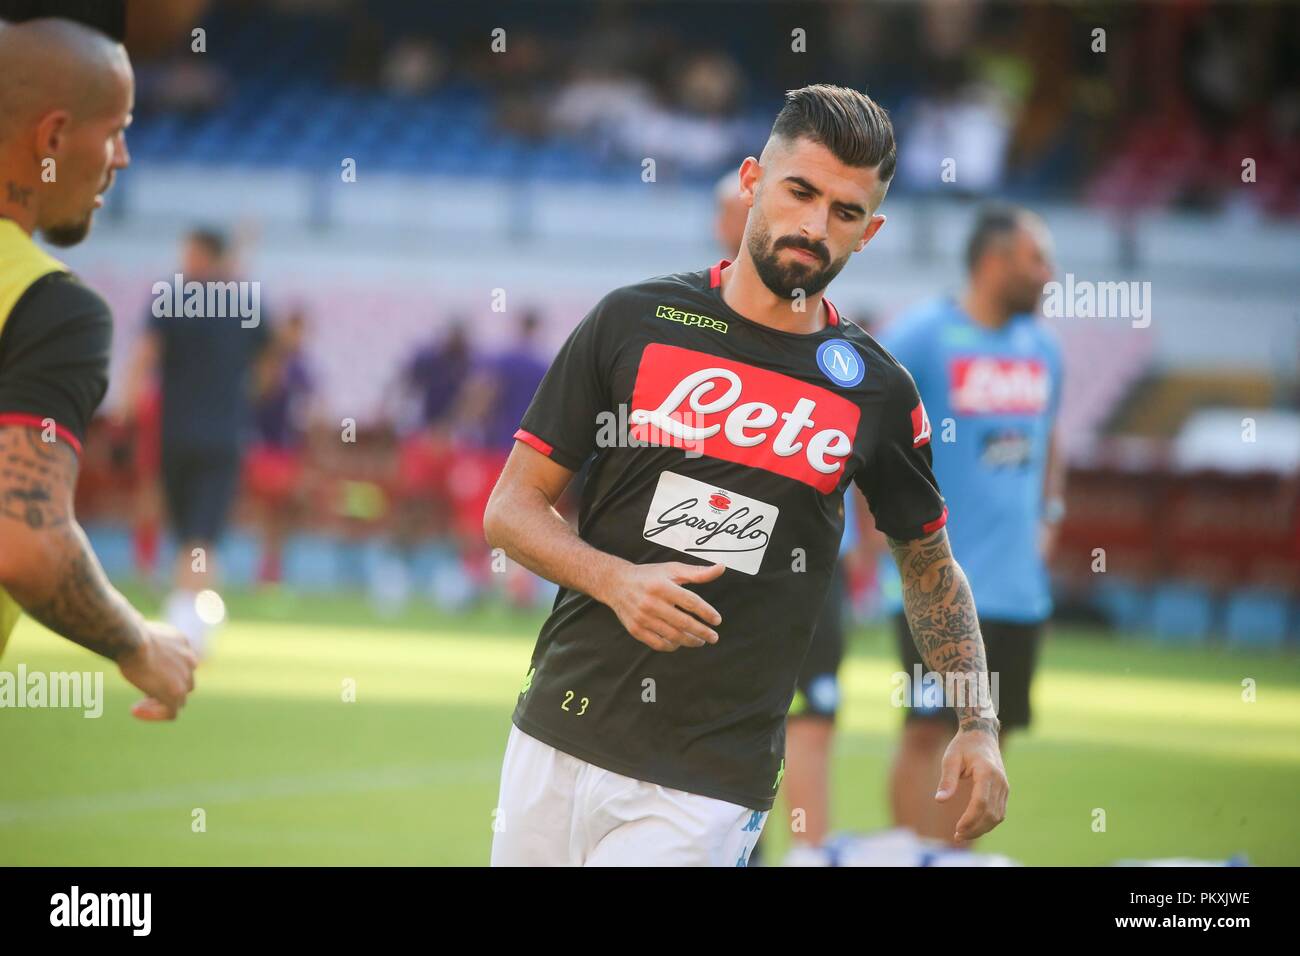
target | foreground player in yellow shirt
x=65, y=104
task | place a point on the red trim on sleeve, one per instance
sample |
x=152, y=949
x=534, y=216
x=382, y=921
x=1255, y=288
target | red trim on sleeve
x=528, y=438
x=715, y=273
x=36, y=421
x=937, y=523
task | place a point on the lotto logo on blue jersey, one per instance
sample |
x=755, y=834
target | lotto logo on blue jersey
x=841, y=363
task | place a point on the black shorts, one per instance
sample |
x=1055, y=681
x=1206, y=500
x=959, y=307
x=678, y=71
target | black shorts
x=1012, y=650
x=818, y=687
x=200, y=487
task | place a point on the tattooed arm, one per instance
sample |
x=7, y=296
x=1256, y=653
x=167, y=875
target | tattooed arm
x=941, y=614
x=48, y=567
x=46, y=563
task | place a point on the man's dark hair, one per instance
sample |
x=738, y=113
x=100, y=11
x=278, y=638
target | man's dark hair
x=106, y=16
x=993, y=223
x=853, y=126
x=213, y=240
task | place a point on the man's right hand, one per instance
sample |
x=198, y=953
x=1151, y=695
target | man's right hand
x=657, y=610
x=162, y=666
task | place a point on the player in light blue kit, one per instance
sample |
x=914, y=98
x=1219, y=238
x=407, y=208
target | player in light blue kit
x=989, y=375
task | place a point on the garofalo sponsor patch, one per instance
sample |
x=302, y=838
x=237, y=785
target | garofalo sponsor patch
x=710, y=522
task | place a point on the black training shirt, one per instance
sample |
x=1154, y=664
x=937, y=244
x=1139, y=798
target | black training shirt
x=759, y=433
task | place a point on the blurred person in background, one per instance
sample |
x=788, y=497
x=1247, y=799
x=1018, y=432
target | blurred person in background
x=983, y=363
x=145, y=429
x=274, y=473
x=204, y=365
x=71, y=109
x=810, y=725
x=495, y=397
x=432, y=380
x=957, y=112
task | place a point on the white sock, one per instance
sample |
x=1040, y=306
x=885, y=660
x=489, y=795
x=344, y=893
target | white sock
x=180, y=612
x=803, y=854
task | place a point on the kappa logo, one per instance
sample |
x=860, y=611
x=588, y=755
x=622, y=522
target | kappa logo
x=673, y=314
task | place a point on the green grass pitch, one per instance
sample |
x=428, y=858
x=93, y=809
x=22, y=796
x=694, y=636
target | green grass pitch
x=286, y=772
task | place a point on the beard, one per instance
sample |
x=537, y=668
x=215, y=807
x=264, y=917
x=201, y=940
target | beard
x=68, y=233
x=785, y=279
x=1024, y=301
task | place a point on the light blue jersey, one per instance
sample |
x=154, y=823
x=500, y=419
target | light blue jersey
x=992, y=398
x=850, y=539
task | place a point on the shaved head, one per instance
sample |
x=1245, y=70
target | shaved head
x=65, y=102
x=55, y=64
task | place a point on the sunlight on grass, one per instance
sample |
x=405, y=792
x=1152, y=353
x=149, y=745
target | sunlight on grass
x=1159, y=738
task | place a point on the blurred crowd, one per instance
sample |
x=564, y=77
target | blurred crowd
x=425, y=469
x=1131, y=105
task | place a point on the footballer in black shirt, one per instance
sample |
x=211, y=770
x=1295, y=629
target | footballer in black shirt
x=728, y=411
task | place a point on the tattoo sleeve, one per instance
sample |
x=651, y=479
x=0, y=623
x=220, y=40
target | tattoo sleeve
x=49, y=566
x=941, y=614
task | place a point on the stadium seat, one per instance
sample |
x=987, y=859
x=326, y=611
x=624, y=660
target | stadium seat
x=1126, y=605
x=1257, y=619
x=1182, y=613
x=311, y=563
x=113, y=546
x=239, y=556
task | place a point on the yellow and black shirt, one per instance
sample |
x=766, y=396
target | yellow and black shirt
x=55, y=339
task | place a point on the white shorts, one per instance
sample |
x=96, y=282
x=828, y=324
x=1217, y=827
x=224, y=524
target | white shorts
x=557, y=810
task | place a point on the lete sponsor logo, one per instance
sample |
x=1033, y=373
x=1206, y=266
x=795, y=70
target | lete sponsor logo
x=799, y=430
x=992, y=386
x=699, y=519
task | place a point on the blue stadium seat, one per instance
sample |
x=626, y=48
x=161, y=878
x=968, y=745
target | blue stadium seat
x=311, y=563
x=1257, y=618
x=1182, y=613
x=240, y=554
x=113, y=546
x=1126, y=605
x=424, y=559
